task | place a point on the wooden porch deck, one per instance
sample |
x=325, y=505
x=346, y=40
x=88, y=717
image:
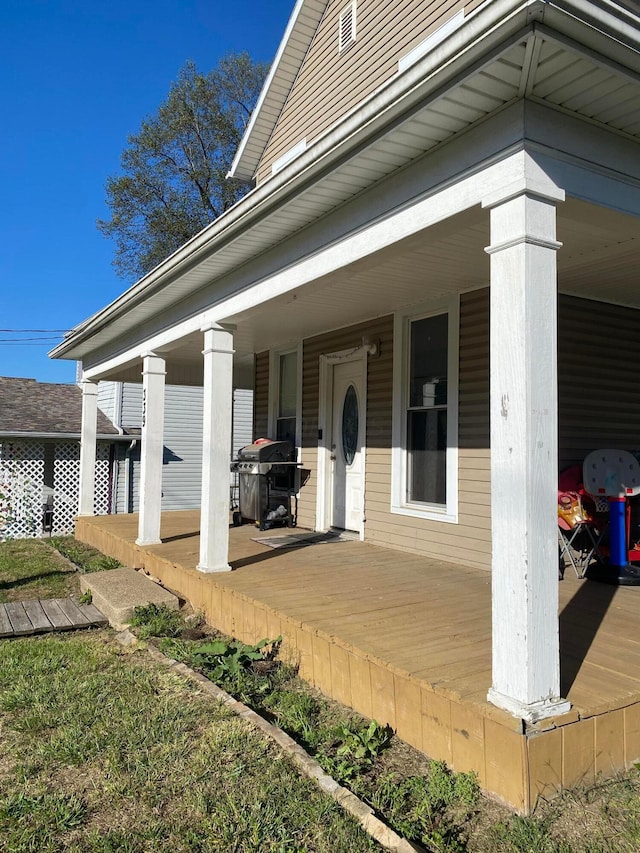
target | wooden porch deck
x=407, y=640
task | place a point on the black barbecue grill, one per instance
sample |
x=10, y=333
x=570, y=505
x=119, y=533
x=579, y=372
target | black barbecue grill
x=266, y=483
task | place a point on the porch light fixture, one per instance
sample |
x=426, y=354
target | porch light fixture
x=372, y=347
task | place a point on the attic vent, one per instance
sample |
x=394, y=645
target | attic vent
x=347, y=31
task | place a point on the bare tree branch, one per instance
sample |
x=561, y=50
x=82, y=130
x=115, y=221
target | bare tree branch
x=172, y=179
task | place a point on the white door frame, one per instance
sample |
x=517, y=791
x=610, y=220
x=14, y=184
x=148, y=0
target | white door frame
x=325, y=427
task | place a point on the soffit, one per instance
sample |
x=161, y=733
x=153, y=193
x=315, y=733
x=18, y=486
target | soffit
x=599, y=260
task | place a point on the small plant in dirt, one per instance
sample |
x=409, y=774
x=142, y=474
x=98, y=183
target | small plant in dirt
x=364, y=744
x=298, y=713
x=157, y=620
x=86, y=558
x=354, y=748
x=225, y=659
x=86, y=597
x=428, y=809
x=249, y=672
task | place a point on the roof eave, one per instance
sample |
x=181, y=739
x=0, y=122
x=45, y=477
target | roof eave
x=288, y=60
x=70, y=436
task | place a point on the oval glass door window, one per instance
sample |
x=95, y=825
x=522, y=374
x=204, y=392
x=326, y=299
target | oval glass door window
x=350, y=425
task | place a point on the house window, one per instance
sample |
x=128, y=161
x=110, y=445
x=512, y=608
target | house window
x=426, y=441
x=285, y=396
x=424, y=467
x=347, y=27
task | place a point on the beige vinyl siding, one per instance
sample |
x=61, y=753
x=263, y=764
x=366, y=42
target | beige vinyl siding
x=261, y=396
x=599, y=406
x=470, y=540
x=329, y=84
x=599, y=389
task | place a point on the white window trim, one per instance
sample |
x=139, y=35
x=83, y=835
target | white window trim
x=399, y=504
x=431, y=41
x=350, y=8
x=274, y=392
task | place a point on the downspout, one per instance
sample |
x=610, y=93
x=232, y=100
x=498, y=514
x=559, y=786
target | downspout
x=117, y=422
x=113, y=480
x=127, y=476
x=118, y=392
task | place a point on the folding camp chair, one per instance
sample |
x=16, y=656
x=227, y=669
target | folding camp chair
x=578, y=534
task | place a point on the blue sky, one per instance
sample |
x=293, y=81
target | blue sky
x=78, y=76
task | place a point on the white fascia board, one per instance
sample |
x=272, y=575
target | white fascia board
x=604, y=15
x=488, y=27
x=302, y=24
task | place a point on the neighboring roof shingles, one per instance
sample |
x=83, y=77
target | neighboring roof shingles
x=27, y=405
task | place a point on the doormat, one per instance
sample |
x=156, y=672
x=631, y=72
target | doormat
x=301, y=540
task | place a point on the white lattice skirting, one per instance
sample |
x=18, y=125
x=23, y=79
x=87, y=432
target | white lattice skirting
x=22, y=481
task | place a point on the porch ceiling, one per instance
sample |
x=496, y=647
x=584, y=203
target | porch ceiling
x=459, y=85
x=599, y=260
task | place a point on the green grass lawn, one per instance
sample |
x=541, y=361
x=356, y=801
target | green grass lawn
x=31, y=568
x=104, y=751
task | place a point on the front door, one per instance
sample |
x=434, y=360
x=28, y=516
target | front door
x=347, y=438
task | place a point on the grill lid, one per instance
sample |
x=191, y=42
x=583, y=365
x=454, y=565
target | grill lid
x=265, y=450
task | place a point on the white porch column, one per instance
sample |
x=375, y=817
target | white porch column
x=153, y=373
x=524, y=452
x=216, y=450
x=88, y=431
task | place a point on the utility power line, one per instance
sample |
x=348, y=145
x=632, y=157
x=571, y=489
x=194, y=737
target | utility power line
x=26, y=331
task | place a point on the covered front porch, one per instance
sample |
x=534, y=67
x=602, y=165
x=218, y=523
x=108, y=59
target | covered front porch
x=491, y=207
x=406, y=639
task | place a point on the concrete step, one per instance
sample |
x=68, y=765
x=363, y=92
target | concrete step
x=117, y=591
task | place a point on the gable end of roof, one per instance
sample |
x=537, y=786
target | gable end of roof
x=301, y=29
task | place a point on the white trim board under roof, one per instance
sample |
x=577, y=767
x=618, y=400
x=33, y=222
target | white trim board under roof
x=293, y=48
x=499, y=51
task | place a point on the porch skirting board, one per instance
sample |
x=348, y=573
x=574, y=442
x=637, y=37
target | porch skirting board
x=515, y=762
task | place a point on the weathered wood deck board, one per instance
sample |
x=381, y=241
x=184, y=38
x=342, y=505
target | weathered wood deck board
x=5, y=625
x=55, y=614
x=18, y=618
x=73, y=613
x=23, y=618
x=36, y=615
x=94, y=616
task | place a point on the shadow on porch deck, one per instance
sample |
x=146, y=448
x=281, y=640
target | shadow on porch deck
x=407, y=640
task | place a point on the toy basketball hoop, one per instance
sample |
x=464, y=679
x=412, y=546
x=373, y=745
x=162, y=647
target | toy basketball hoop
x=615, y=475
